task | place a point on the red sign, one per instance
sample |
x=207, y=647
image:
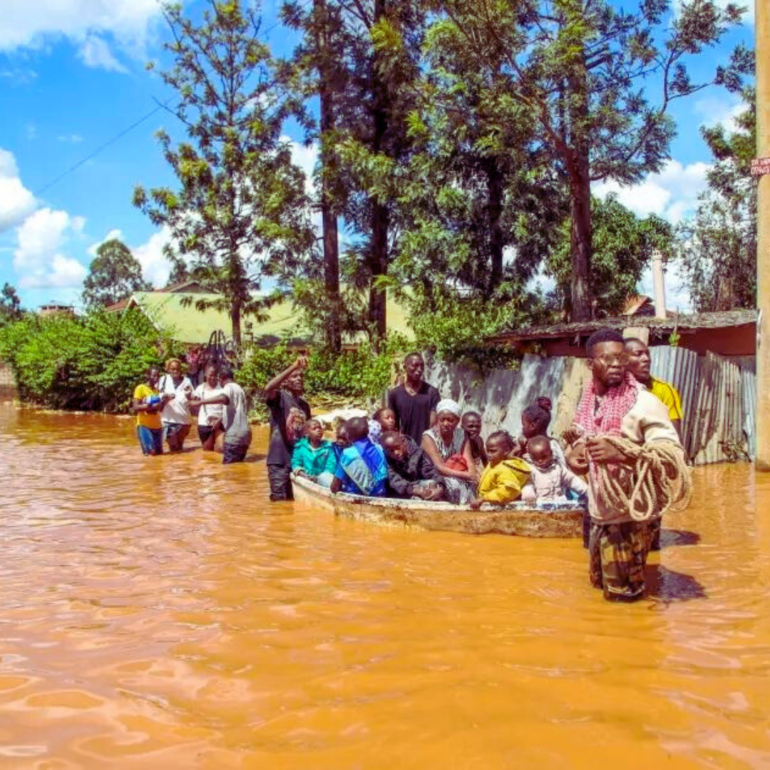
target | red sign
x=760, y=166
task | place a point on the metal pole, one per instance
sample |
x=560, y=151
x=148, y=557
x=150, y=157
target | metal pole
x=763, y=236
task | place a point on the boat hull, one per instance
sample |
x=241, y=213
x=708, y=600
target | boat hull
x=555, y=521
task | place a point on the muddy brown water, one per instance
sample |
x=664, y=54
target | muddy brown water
x=161, y=613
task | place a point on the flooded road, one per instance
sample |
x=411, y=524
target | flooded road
x=161, y=613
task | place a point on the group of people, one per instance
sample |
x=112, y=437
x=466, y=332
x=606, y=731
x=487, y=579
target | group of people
x=166, y=405
x=422, y=446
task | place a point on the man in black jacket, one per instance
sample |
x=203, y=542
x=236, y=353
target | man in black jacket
x=411, y=474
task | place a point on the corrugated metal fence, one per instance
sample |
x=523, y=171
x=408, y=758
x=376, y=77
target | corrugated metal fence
x=718, y=399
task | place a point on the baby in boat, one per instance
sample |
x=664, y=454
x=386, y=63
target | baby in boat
x=505, y=476
x=549, y=480
x=361, y=467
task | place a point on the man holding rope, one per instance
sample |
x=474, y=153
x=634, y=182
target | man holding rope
x=636, y=466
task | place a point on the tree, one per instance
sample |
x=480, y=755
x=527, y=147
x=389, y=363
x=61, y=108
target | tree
x=241, y=211
x=114, y=274
x=578, y=65
x=622, y=250
x=718, y=248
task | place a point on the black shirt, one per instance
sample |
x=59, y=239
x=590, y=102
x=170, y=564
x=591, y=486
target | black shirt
x=281, y=445
x=413, y=412
x=416, y=466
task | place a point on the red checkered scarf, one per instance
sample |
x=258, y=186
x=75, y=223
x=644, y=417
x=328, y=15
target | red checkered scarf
x=608, y=418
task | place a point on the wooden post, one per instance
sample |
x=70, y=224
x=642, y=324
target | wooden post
x=762, y=51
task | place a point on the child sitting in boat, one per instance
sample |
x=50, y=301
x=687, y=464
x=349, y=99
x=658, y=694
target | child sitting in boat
x=342, y=440
x=549, y=481
x=535, y=420
x=411, y=474
x=505, y=476
x=314, y=456
x=471, y=425
x=386, y=418
x=361, y=468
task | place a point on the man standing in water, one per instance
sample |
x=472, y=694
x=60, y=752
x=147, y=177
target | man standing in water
x=284, y=393
x=414, y=402
x=235, y=418
x=614, y=405
x=639, y=362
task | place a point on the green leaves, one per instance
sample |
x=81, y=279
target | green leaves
x=114, y=274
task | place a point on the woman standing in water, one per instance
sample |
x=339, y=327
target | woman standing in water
x=175, y=416
x=443, y=441
x=148, y=403
x=209, y=415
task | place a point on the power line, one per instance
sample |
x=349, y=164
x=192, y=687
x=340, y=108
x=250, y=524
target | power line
x=100, y=148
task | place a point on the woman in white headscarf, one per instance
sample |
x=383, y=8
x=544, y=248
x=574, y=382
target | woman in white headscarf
x=443, y=443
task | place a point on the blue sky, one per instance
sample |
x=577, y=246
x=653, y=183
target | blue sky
x=72, y=76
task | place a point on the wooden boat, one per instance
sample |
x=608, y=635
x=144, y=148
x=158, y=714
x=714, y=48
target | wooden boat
x=545, y=520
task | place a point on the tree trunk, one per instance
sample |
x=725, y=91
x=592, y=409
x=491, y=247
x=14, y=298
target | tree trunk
x=235, y=318
x=328, y=215
x=580, y=189
x=494, y=214
x=379, y=266
x=378, y=251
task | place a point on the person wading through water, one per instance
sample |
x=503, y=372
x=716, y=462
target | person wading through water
x=414, y=402
x=636, y=466
x=282, y=394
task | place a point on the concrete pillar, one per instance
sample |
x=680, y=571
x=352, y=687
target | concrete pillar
x=762, y=28
x=658, y=284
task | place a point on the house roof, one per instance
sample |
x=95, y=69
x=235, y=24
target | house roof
x=168, y=310
x=657, y=326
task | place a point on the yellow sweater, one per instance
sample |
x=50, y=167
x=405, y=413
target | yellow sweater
x=504, y=482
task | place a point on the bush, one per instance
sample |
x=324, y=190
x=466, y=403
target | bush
x=83, y=363
x=358, y=375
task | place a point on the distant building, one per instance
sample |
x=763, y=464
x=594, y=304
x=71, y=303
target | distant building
x=731, y=333
x=56, y=308
x=173, y=310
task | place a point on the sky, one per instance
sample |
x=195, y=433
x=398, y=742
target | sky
x=73, y=79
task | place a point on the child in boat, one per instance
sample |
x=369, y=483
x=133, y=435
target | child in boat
x=342, y=440
x=411, y=474
x=314, y=456
x=535, y=420
x=471, y=425
x=505, y=476
x=549, y=481
x=361, y=468
x=386, y=418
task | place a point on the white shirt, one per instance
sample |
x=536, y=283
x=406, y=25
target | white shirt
x=236, y=419
x=176, y=410
x=209, y=413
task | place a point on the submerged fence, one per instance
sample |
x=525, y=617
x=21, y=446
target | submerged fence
x=718, y=396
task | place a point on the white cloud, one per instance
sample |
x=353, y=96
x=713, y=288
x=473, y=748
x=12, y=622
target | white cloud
x=306, y=157
x=715, y=110
x=38, y=258
x=32, y=24
x=96, y=53
x=70, y=138
x=672, y=193
x=16, y=201
x=155, y=267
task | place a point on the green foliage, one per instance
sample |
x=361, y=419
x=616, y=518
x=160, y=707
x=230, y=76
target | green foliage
x=718, y=247
x=10, y=305
x=361, y=374
x=114, y=274
x=456, y=329
x=240, y=212
x=623, y=246
x=91, y=363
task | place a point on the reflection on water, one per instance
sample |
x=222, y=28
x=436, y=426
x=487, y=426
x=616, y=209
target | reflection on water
x=161, y=613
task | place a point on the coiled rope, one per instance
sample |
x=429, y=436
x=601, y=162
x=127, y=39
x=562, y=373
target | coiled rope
x=661, y=479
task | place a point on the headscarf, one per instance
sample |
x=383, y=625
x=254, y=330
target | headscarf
x=448, y=405
x=375, y=431
x=616, y=404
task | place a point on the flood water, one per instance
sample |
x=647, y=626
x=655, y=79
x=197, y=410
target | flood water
x=161, y=613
